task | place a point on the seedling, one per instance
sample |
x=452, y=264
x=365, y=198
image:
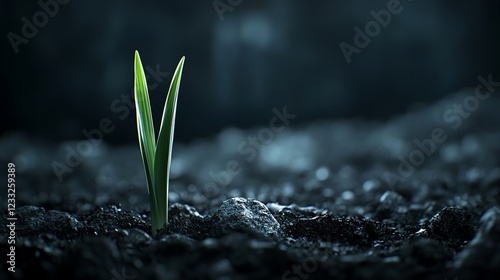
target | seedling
x=156, y=156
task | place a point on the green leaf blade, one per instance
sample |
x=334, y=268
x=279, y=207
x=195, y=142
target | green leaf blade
x=165, y=144
x=145, y=128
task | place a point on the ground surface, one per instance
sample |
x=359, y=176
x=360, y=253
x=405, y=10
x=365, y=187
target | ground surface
x=416, y=197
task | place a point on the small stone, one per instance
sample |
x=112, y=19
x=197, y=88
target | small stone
x=371, y=185
x=222, y=267
x=482, y=252
x=390, y=199
x=390, y=204
x=177, y=209
x=177, y=240
x=139, y=236
x=490, y=224
x=451, y=225
x=210, y=243
x=244, y=215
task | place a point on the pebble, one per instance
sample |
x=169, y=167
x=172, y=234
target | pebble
x=452, y=225
x=245, y=215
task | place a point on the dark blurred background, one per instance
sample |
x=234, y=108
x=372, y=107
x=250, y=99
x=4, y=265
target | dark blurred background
x=242, y=59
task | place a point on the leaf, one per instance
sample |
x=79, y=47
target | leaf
x=145, y=128
x=165, y=144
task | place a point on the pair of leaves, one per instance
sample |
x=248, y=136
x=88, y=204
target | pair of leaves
x=156, y=153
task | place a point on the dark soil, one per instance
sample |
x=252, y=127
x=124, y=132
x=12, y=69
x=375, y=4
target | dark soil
x=316, y=202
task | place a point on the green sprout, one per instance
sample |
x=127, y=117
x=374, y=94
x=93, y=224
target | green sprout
x=156, y=157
